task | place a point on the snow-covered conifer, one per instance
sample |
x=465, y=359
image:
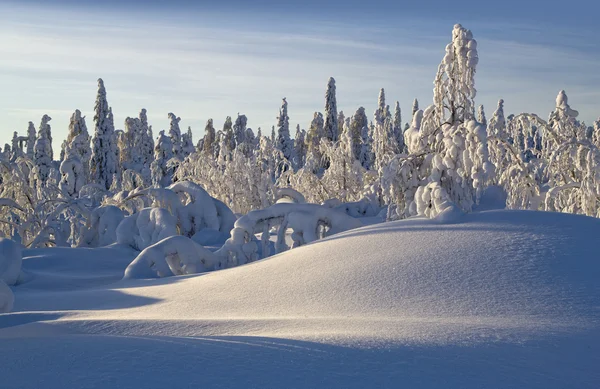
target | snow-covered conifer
x=284, y=142
x=330, y=126
x=239, y=129
x=299, y=148
x=481, y=115
x=163, y=152
x=31, y=137
x=43, y=153
x=415, y=107
x=398, y=132
x=187, y=143
x=78, y=142
x=104, y=162
x=209, y=137
x=358, y=122
x=175, y=134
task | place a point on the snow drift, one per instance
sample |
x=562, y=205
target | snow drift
x=496, y=299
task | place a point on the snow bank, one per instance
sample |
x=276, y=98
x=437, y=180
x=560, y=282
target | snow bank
x=173, y=256
x=500, y=299
x=147, y=227
x=10, y=261
x=7, y=298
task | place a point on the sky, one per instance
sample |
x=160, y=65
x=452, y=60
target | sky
x=212, y=59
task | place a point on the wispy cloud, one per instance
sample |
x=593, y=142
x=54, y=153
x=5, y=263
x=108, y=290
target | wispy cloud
x=211, y=69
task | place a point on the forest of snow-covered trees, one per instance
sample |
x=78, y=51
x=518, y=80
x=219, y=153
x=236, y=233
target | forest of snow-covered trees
x=106, y=185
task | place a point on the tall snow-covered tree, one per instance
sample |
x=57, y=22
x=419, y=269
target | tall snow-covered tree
x=358, y=124
x=398, y=132
x=381, y=106
x=104, y=163
x=43, y=153
x=330, y=126
x=78, y=143
x=313, y=139
x=284, y=142
x=481, y=115
x=341, y=120
x=31, y=137
x=497, y=123
x=210, y=136
x=415, y=107
x=239, y=129
x=300, y=148
x=147, y=146
x=229, y=137
x=175, y=134
x=163, y=153
x=187, y=143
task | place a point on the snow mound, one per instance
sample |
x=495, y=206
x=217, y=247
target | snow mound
x=10, y=261
x=173, y=256
x=7, y=298
x=495, y=299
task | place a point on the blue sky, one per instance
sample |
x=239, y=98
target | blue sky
x=203, y=60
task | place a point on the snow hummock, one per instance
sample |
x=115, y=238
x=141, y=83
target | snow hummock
x=496, y=299
x=10, y=261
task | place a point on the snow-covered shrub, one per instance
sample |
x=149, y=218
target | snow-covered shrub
x=173, y=256
x=101, y=228
x=308, y=222
x=10, y=261
x=146, y=227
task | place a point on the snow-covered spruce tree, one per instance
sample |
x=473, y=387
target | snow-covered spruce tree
x=415, y=107
x=357, y=123
x=187, y=143
x=104, y=163
x=72, y=174
x=147, y=146
x=31, y=137
x=300, y=149
x=163, y=153
x=313, y=142
x=572, y=163
x=341, y=120
x=330, y=126
x=596, y=133
x=398, y=131
x=43, y=153
x=210, y=136
x=384, y=144
x=239, y=129
x=284, y=142
x=481, y=115
x=175, y=134
x=229, y=137
x=78, y=143
x=448, y=146
x=273, y=135
x=16, y=149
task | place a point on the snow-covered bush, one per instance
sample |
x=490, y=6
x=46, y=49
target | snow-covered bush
x=10, y=261
x=101, y=228
x=308, y=222
x=173, y=256
x=146, y=227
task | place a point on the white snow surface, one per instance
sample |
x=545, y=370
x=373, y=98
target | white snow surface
x=496, y=299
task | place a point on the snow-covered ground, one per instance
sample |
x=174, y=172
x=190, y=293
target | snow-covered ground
x=496, y=299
